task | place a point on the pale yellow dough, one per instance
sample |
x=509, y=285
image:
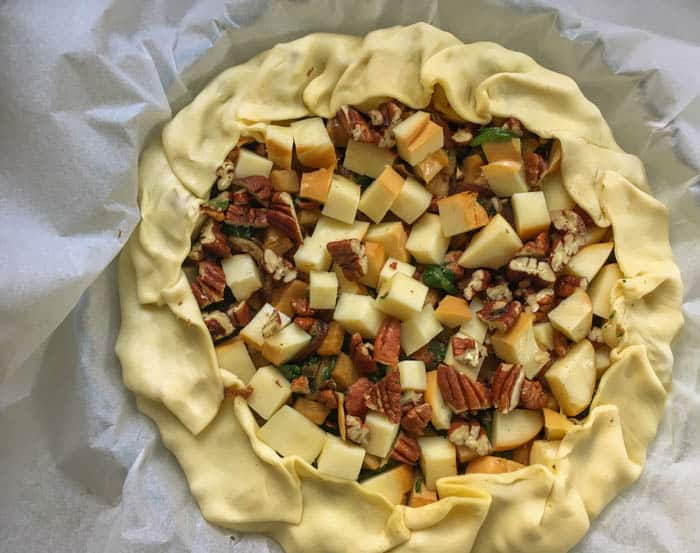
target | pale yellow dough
x=169, y=362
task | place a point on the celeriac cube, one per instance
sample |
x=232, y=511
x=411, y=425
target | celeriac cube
x=461, y=213
x=412, y=375
x=343, y=199
x=503, y=150
x=285, y=180
x=250, y=164
x=556, y=425
x=556, y=194
x=544, y=335
x=242, y=275
x=279, y=142
x=588, y=261
x=271, y=390
x=442, y=415
x=378, y=196
x=367, y=159
x=432, y=165
x=357, y=313
x=453, y=311
x=427, y=243
x=492, y=247
x=412, y=201
x=233, y=356
x=376, y=257
x=382, y=433
x=419, y=330
x=315, y=185
x=285, y=344
x=475, y=328
x=515, y=428
x=289, y=433
x=572, y=378
x=518, y=345
x=391, y=267
x=394, y=484
x=506, y=177
x=323, y=290
x=252, y=332
x=438, y=458
x=392, y=236
x=573, y=317
x=417, y=137
x=313, y=145
x=530, y=213
x=401, y=297
x=601, y=289
x=340, y=459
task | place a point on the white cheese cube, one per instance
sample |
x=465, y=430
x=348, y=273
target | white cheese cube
x=279, y=142
x=378, y=196
x=426, y=242
x=271, y=390
x=412, y=375
x=503, y=150
x=323, y=290
x=285, y=344
x=438, y=458
x=412, y=201
x=393, y=266
x=358, y=313
x=252, y=332
x=313, y=145
x=343, y=199
x=250, y=164
x=417, y=137
x=505, y=177
x=475, y=328
x=340, y=459
x=601, y=289
x=442, y=415
x=530, y=213
x=394, y=484
x=367, y=159
x=233, y=357
x=312, y=255
x=382, y=433
x=492, y=247
x=588, y=261
x=242, y=275
x=419, y=330
x=393, y=237
x=289, y=432
x=401, y=297
x=572, y=378
x=573, y=317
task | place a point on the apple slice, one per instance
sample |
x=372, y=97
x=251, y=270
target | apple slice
x=442, y=415
x=492, y=247
x=394, y=484
x=515, y=428
x=530, y=213
x=601, y=289
x=427, y=243
x=572, y=378
x=505, y=177
x=519, y=345
x=418, y=330
x=279, y=142
x=492, y=465
x=588, y=261
x=573, y=317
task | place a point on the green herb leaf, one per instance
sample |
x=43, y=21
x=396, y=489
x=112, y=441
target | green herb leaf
x=491, y=134
x=325, y=369
x=419, y=484
x=290, y=371
x=238, y=231
x=217, y=204
x=438, y=349
x=440, y=277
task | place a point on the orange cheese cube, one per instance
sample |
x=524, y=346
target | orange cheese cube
x=461, y=213
x=285, y=180
x=376, y=257
x=315, y=185
x=453, y=311
x=432, y=165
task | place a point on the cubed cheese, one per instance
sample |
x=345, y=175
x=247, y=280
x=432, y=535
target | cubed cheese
x=427, y=243
x=340, y=459
x=343, y=199
x=461, y=213
x=442, y=415
x=233, y=356
x=506, y=177
x=315, y=185
x=401, y=297
x=378, y=196
x=242, y=275
x=271, y=390
x=432, y=165
x=393, y=484
x=530, y=213
x=438, y=459
x=250, y=164
x=419, y=330
x=279, y=142
x=289, y=433
x=367, y=159
x=453, y=311
x=376, y=257
x=417, y=137
x=412, y=375
x=391, y=267
x=285, y=180
x=392, y=236
x=285, y=344
x=323, y=290
x=313, y=145
x=588, y=261
x=492, y=247
x=358, y=313
x=382, y=433
x=503, y=150
x=412, y=201
x=252, y=332
x=544, y=335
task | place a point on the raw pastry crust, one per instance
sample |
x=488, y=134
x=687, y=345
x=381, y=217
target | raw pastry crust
x=168, y=358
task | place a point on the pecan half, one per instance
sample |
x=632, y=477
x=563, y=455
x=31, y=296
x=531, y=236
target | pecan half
x=300, y=306
x=406, y=450
x=387, y=343
x=354, y=397
x=272, y=324
x=278, y=267
x=224, y=173
x=356, y=126
x=535, y=165
x=283, y=216
x=305, y=323
x=531, y=269
x=327, y=398
x=246, y=216
x=357, y=431
x=213, y=239
x=500, y=315
x=300, y=385
x=478, y=282
x=240, y=313
x=537, y=247
x=258, y=186
x=385, y=397
x=209, y=286
x=507, y=384
x=471, y=435
x=567, y=284
x=468, y=351
x=460, y=393
x=539, y=302
x=241, y=197
x=350, y=256
x=451, y=259
x=499, y=292
x=361, y=355
x=218, y=324
x=533, y=396
x=417, y=418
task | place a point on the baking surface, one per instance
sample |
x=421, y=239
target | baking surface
x=79, y=468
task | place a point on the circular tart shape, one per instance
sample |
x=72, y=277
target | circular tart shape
x=168, y=358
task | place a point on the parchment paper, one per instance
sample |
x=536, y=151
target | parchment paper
x=81, y=87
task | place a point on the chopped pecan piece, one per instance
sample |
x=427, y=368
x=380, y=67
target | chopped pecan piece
x=246, y=216
x=356, y=126
x=387, y=343
x=354, y=397
x=328, y=398
x=531, y=270
x=567, y=284
x=507, y=384
x=561, y=344
x=539, y=302
x=595, y=335
x=460, y=393
x=429, y=355
x=571, y=239
x=196, y=253
x=499, y=292
x=218, y=324
x=391, y=112
x=533, y=396
x=278, y=267
x=535, y=165
x=272, y=325
x=283, y=216
x=537, y=247
x=451, y=259
x=479, y=281
x=224, y=174
x=468, y=351
x=500, y=315
x=350, y=256
x=300, y=306
x=305, y=323
x=241, y=197
x=213, y=240
x=258, y=186
x=244, y=245
x=417, y=418
x=462, y=137
x=338, y=134
x=234, y=391
x=240, y=313
x=410, y=399
x=357, y=431
x=209, y=286
x=514, y=125
x=471, y=435
x=361, y=355
x=406, y=450
x=318, y=331
x=385, y=397
x=300, y=385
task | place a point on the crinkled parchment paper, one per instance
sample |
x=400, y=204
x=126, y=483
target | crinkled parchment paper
x=81, y=87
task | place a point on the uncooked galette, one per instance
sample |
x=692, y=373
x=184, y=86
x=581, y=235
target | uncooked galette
x=402, y=289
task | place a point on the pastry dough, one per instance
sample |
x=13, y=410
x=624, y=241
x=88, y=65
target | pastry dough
x=168, y=358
